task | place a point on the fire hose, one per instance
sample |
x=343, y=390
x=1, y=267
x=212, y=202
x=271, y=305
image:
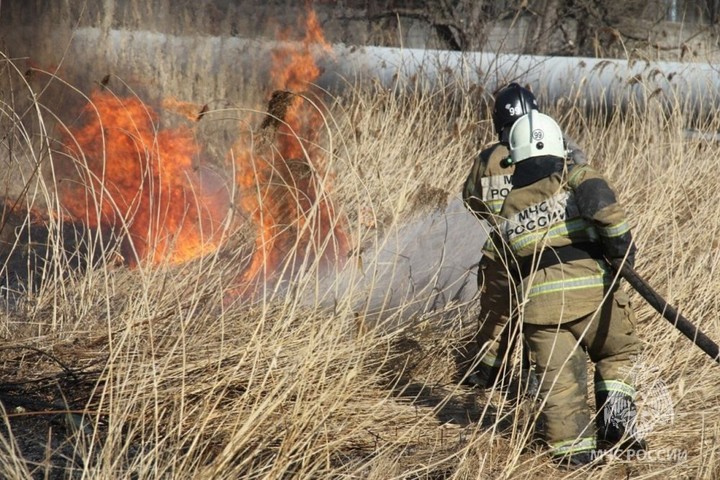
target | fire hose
x=668, y=311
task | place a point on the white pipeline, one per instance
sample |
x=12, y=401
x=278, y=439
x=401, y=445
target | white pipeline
x=177, y=62
x=595, y=81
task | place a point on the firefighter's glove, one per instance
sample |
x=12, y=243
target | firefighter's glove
x=620, y=248
x=619, y=258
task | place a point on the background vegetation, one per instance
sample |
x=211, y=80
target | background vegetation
x=112, y=372
x=164, y=371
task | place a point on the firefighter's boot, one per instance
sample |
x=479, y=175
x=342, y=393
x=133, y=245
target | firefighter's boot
x=616, y=420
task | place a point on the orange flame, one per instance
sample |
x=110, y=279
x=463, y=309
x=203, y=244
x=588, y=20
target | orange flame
x=286, y=189
x=136, y=178
x=133, y=175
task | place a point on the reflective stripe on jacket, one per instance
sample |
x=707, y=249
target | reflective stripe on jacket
x=486, y=188
x=488, y=183
x=557, y=230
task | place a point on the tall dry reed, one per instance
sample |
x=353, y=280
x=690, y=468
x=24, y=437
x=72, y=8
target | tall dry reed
x=111, y=372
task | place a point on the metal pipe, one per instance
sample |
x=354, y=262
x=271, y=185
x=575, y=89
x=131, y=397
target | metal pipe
x=593, y=81
x=219, y=61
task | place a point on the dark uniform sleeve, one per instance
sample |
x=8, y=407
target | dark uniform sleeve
x=598, y=203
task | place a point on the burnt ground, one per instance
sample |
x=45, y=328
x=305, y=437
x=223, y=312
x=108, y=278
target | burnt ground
x=28, y=253
x=46, y=399
x=43, y=388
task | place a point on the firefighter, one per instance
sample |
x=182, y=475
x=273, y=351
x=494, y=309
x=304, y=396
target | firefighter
x=484, y=192
x=562, y=224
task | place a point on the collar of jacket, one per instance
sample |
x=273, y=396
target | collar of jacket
x=533, y=169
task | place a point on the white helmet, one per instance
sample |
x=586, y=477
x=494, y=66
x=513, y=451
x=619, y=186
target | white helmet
x=535, y=135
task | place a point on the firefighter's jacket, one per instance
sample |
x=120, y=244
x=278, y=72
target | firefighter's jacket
x=488, y=183
x=559, y=224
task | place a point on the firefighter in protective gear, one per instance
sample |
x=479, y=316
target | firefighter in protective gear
x=561, y=222
x=484, y=191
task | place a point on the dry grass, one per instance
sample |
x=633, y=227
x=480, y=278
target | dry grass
x=110, y=372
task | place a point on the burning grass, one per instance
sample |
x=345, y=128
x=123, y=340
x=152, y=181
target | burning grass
x=165, y=371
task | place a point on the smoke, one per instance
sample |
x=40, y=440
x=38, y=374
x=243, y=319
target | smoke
x=191, y=82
